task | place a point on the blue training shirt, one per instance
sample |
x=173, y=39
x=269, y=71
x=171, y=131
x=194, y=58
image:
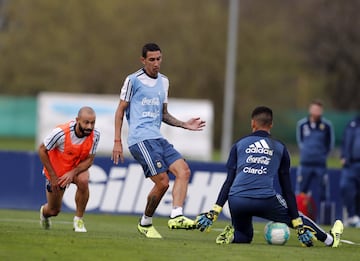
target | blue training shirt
x=350, y=149
x=146, y=96
x=315, y=141
x=253, y=163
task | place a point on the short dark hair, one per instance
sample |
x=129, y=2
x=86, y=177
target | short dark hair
x=317, y=102
x=263, y=115
x=150, y=47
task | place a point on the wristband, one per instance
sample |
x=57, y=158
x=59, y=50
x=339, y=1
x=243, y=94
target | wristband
x=297, y=222
x=217, y=208
x=117, y=140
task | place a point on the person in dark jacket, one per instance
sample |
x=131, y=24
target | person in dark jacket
x=315, y=138
x=350, y=176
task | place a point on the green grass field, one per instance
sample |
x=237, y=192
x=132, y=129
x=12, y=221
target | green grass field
x=115, y=237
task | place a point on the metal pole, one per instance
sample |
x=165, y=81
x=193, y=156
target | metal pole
x=229, y=93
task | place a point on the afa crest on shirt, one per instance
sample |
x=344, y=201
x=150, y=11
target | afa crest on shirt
x=322, y=126
x=158, y=164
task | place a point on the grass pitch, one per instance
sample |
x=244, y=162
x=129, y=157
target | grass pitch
x=115, y=237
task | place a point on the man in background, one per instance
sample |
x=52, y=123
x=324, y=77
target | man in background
x=315, y=139
x=350, y=176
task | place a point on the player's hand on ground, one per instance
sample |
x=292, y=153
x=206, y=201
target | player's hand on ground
x=304, y=235
x=205, y=220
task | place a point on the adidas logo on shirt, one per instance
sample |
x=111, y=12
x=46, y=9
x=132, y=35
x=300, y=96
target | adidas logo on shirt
x=261, y=147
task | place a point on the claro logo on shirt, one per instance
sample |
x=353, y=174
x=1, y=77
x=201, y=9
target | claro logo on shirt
x=262, y=170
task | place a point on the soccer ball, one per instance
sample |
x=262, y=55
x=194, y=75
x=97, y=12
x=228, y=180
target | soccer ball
x=276, y=233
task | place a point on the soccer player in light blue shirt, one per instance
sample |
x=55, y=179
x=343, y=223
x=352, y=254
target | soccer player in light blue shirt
x=144, y=99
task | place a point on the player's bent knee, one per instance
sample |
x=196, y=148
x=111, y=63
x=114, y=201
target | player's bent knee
x=82, y=182
x=82, y=185
x=185, y=174
x=163, y=186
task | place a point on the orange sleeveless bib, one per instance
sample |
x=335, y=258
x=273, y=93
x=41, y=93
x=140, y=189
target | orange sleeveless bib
x=73, y=154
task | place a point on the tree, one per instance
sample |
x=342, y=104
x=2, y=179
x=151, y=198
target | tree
x=332, y=47
x=89, y=46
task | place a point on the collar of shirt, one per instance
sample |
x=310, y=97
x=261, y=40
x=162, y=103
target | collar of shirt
x=260, y=133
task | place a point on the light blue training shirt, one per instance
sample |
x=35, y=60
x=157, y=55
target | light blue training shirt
x=146, y=96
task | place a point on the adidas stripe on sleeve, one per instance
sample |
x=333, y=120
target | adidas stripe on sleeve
x=126, y=90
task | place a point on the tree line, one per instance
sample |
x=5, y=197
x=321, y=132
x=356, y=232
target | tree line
x=289, y=52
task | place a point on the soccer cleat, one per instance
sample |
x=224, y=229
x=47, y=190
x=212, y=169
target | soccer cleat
x=79, y=226
x=45, y=223
x=336, y=232
x=227, y=236
x=181, y=222
x=149, y=231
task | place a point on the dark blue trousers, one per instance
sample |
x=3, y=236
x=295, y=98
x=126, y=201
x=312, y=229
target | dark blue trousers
x=243, y=210
x=350, y=188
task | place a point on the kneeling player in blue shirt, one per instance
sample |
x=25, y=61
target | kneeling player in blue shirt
x=253, y=163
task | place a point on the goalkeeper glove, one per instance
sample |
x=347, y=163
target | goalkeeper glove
x=205, y=220
x=304, y=235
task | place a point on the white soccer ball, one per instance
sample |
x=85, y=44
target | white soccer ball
x=276, y=233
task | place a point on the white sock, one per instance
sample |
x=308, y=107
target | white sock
x=42, y=212
x=329, y=240
x=76, y=218
x=145, y=220
x=176, y=211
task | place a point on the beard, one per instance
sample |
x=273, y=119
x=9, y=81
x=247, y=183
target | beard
x=83, y=131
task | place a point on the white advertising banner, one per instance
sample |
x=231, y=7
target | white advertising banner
x=57, y=108
x=125, y=190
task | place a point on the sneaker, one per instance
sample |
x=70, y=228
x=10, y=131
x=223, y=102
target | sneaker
x=181, y=222
x=336, y=232
x=45, y=223
x=227, y=236
x=149, y=231
x=79, y=226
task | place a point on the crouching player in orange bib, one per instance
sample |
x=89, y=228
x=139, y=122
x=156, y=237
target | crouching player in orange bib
x=67, y=153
